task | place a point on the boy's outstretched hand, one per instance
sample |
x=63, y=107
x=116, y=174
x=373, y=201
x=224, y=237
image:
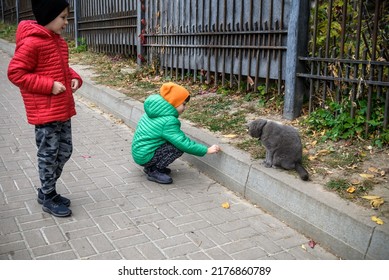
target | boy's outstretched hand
x=213, y=149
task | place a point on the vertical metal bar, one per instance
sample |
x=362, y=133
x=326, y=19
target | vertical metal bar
x=267, y=81
x=375, y=29
x=327, y=48
x=257, y=43
x=314, y=38
x=233, y=41
x=380, y=75
x=224, y=15
x=281, y=27
x=195, y=36
x=343, y=33
x=386, y=114
x=17, y=11
x=217, y=49
x=2, y=10
x=372, y=67
x=240, y=27
x=224, y=60
x=356, y=66
x=231, y=55
x=248, y=28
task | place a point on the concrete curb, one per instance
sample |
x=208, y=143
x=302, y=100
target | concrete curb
x=342, y=228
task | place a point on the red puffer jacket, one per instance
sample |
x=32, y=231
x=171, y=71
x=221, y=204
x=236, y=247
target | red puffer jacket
x=41, y=57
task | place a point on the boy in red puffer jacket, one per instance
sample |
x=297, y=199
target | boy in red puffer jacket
x=40, y=68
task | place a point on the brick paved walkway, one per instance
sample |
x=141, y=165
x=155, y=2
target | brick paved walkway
x=117, y=213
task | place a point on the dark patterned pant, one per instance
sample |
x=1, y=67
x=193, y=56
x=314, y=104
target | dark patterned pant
x=54, y=142
x=164, y=156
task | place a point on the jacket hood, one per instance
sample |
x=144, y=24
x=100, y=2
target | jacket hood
x=30, y=28
x=156, y=106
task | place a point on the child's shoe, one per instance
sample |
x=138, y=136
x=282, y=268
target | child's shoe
x=159, y=177
x=41, y=197
x=55, y=207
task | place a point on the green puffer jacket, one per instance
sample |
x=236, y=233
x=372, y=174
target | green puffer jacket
x=157, y=126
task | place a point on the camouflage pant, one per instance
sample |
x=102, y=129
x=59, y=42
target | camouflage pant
x=164, y=156
x=54, y=142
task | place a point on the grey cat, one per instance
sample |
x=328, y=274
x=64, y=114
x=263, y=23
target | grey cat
x=282, y=143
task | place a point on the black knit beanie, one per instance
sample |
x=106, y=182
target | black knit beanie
x=47, y=10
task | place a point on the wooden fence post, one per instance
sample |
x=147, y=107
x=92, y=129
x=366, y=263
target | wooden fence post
x=297, y=45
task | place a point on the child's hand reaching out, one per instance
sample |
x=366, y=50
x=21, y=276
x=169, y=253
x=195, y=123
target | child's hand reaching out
x=213, y=149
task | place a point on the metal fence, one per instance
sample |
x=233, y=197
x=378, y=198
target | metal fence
x=229, y=42
x=349, y=58
x=246, y=43
x=108, y=26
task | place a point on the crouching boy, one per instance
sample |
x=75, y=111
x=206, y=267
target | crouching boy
x=158, y=140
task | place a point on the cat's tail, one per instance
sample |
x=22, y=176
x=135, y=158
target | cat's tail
x=303, y=173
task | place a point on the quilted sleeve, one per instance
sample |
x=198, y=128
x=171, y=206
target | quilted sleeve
x=21, y=71
x=74, y=75
x=173, y=134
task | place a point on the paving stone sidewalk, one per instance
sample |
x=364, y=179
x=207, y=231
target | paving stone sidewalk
x=117, y=213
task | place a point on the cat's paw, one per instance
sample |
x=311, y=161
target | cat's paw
x=267, y=164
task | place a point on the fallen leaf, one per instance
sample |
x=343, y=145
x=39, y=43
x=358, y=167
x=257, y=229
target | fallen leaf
x=312, y=158
x=375, y=203
x=355, y=181
x=367, y=176
x=312, y=244
x=373, y=169
x=226, y=205
x=323, y=152
x=304, y=248
x=371, y=197
x=230, y=136
x=351, y=189
x=382, y=173
x=377, y=220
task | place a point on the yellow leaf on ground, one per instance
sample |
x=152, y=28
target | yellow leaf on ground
x=323, y=152
x=303, y=247
x=230, y=136
x=351, y=189
x=373, y=169
x=377, y=220
x=370, y=197
x=226, y=205
x=375, y=203
x=367, y=176
x=311, y=158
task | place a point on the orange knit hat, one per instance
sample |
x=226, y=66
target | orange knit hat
x=174, y=94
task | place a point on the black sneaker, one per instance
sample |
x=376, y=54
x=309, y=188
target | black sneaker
x=55, y=207
x=159, y=177
x=41, y=197
x=165, y=170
